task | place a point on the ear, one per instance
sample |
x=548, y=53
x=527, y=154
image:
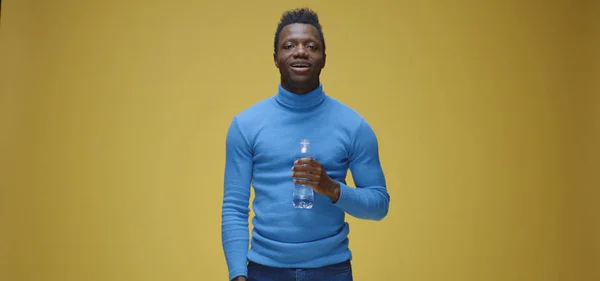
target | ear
x=275, y=60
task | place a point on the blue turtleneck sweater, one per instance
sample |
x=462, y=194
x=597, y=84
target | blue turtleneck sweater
x=260, y=147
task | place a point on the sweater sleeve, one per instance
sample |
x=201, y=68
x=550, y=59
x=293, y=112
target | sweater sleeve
x=236, y=196
x=370, y=199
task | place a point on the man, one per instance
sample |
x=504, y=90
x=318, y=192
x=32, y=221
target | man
x=291, y=243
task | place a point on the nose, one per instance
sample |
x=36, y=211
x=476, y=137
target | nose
x=300, y=51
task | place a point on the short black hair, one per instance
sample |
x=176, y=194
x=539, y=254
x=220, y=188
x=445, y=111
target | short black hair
x=299, y=15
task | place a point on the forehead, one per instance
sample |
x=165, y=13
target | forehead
x=299, y=31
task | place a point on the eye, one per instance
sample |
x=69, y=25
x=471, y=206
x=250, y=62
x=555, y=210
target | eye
x=288, y=46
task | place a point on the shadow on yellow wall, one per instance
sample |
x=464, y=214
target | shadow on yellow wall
x=114, y=113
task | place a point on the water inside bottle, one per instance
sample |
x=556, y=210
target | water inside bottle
x=302, y=203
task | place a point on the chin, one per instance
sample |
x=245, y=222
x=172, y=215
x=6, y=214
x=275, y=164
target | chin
x=303, y=81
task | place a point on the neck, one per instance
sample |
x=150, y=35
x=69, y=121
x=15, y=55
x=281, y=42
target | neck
x=301, y=88
x=306, y=100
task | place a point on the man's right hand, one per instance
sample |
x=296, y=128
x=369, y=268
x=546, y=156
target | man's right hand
x=239, y=278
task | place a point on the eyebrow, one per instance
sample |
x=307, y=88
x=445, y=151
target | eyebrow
x=302, y=39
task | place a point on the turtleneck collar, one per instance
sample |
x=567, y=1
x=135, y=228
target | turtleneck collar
x=308, y=100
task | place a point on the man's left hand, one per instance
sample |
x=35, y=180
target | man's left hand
x=310, y=172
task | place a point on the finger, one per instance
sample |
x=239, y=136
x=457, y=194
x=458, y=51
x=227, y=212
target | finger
x=306, y=168
x=314, y=172
x=306, y=175
x=307, y=161
x=305, y=182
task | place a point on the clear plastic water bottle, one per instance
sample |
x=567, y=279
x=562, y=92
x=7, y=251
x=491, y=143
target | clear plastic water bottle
x=304, y=195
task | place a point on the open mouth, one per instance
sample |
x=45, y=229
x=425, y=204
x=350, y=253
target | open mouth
x=301, y=65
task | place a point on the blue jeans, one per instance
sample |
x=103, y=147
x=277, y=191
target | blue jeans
x=335, y=272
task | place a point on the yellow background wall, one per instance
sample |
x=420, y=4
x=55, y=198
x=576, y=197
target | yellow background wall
x=586, y=190
x=113, y=116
